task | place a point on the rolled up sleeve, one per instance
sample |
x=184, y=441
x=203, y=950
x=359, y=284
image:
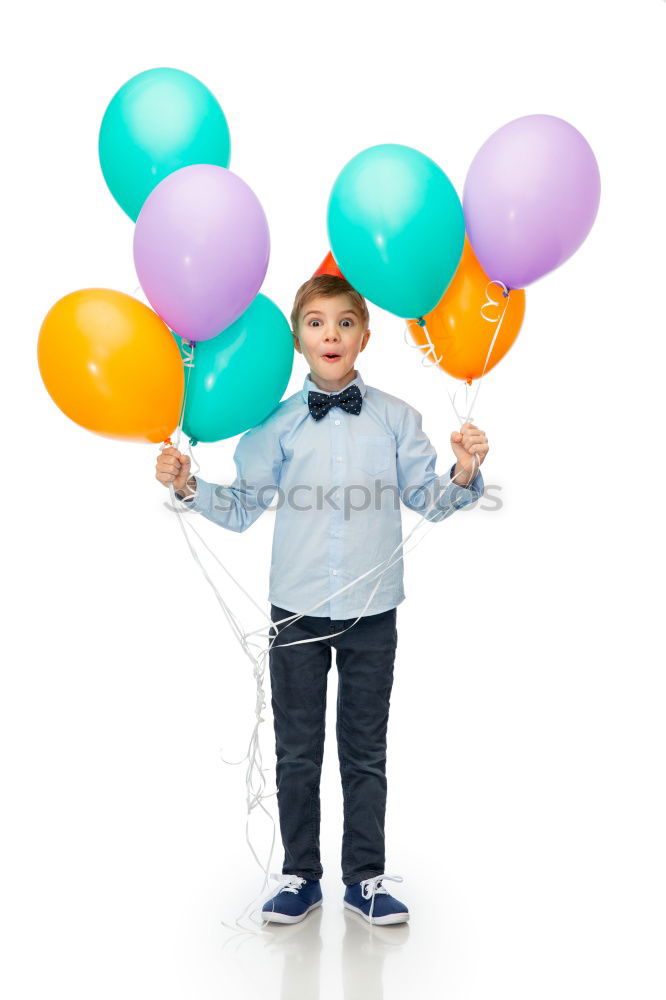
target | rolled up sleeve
x=421, y=489
x=258, y=459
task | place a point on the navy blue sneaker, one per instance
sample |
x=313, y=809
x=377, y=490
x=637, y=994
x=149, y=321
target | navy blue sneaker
x=374, y=903
x=293, y=900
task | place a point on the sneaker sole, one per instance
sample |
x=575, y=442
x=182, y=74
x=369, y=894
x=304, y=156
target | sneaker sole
x=287, y=918
x=389, y=918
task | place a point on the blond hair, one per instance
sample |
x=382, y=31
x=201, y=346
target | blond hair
x=328, y=285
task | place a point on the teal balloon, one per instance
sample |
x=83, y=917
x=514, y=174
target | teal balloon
x=396, y=228
x=159, y=121
x=239, y=376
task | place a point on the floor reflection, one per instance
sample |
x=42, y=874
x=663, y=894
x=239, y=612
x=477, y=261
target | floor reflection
x=292, y=955
x=364, y=948
x=299, y=946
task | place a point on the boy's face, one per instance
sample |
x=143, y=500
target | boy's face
x=330, y=338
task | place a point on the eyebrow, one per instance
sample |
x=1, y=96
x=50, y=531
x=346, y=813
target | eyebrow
x=318, y=312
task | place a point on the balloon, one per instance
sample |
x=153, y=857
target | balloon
x=396, y=228
x=239, y=377
x=159, y=121
x=530, y=198
x=111, y=365
x=462, y=326
x=201, y=249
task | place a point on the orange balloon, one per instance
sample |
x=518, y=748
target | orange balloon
x=111, y=365
x=458, y=331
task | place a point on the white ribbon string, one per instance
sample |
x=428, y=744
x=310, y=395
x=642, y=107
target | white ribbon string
x=255, y=780
x=489, y=302
x=258, y=653
x=430, y=358
x=188, y=365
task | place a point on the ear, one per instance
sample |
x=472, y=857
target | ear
x=297, y=344
x=366, y=338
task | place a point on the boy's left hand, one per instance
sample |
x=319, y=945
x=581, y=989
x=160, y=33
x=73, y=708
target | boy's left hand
x=470, y=446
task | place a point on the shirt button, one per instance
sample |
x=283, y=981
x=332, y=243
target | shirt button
x=338, y=458
x=335, y=572
x=337, y=422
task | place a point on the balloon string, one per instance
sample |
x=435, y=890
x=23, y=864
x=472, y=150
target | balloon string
x=254, y=775
x=431, y=359
x=257, y=653
x=430, y=351
x=489, y=302
x=188, y=365
x=187, y=353
x=428, y=347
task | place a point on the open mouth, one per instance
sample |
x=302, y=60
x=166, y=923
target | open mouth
x=331, y=357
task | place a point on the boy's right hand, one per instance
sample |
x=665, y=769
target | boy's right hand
x=173, y=468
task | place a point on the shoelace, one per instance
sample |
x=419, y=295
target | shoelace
x=293, y=883
x=371, y=887
x=286, y=883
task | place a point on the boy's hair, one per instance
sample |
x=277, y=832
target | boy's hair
x=328, y=285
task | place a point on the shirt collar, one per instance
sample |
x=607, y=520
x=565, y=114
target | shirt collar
x=309, y=386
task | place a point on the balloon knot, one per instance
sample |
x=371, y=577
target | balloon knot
x=193, y=441
x=421, y=321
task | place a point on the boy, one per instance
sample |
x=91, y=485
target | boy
x=335, y=436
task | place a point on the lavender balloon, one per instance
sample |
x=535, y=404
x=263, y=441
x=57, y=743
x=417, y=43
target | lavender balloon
x=530, y=198
x=201, y=248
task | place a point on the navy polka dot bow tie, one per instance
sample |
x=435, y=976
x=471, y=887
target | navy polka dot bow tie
x=350, y=399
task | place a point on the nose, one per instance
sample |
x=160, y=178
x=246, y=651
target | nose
x=332, y=334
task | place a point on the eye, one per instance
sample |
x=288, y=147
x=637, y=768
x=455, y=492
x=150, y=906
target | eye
x=313, y=321
x=350, y=321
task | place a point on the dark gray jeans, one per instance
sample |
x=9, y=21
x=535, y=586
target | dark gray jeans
x=364, y=658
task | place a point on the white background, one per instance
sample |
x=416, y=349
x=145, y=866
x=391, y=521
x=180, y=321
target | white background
x=526, y=742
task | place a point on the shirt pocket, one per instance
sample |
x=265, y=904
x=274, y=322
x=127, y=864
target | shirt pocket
x=375, y=453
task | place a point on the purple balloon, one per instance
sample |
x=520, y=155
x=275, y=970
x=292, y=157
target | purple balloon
x=201, y=248
x=530, y=198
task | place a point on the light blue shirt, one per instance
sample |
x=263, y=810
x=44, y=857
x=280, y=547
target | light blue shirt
x=337, y=484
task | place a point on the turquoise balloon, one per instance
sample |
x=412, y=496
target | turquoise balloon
x=158, y=122
x=239, y=376
x=396, y=228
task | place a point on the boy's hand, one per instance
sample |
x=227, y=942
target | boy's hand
x=173, y=468
x=470, y=446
